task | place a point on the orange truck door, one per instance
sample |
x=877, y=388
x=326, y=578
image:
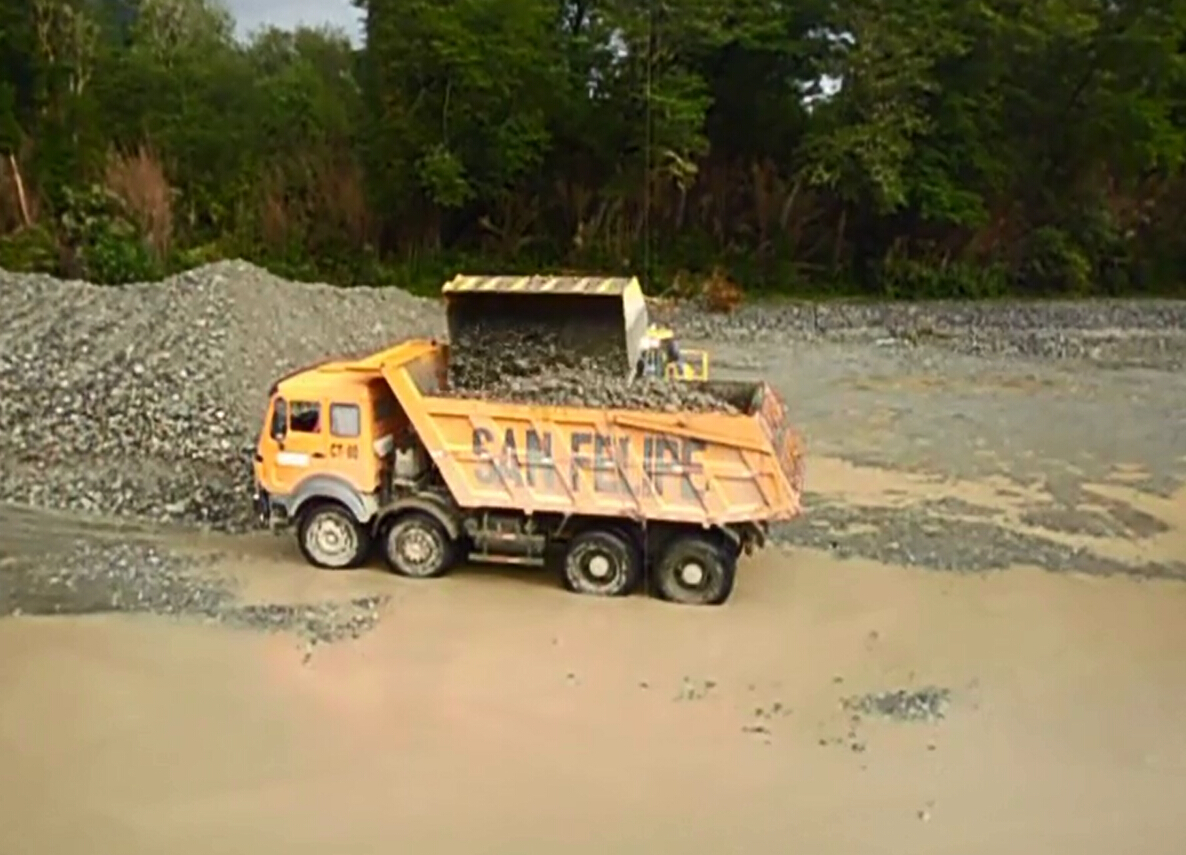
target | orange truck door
x=349, y=454
x=300, y=446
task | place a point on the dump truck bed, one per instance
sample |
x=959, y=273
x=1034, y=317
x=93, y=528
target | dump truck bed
x=704, y=468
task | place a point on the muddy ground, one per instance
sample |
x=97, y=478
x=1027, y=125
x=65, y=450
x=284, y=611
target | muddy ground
x=971, y=643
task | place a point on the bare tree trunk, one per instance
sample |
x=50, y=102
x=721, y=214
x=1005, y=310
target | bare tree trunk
x=22, y=199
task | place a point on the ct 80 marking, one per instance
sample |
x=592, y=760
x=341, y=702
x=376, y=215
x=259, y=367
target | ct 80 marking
x=349, y=450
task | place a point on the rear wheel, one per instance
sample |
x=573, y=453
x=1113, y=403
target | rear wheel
x=416, y=545
x=330, y=537
x=696, y=571
x=601, y=563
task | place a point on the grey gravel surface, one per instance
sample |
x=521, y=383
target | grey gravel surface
x=1120, y=332
x=129, y=576
x=926, y=535
x=1007, y=454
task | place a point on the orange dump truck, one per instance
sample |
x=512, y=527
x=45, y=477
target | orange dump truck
x=374, y=452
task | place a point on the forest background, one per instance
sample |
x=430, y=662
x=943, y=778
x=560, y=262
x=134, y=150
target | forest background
x=893, y=148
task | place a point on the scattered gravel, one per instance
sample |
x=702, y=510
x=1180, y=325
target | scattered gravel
x=134, y=577
x=926, y=704
x=923, y=535
x=316, y=623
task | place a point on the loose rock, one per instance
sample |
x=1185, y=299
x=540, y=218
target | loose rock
x=926, y=704
x=484, y=355
x=588, y=387
x=139, y=578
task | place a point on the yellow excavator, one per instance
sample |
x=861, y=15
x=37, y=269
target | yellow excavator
x=571, y=317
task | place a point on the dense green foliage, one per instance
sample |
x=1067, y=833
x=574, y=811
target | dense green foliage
x=898, y=147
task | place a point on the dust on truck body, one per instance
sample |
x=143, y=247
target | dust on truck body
x=618, y=496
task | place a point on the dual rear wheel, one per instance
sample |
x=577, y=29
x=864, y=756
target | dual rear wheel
x=696, y=570
x=693, y=569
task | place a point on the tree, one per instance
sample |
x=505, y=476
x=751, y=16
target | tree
x=915, y=148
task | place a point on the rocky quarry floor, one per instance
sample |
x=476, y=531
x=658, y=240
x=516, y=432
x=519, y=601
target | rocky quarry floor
x=144, y=402
x=985, y=587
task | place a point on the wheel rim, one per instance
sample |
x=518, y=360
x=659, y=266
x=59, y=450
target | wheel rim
x=332, y=540
x=692, y=574
x=418, y=550
x=600, y=568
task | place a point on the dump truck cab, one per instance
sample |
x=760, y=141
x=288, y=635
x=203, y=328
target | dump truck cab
x=329, y=436
x=600, y=320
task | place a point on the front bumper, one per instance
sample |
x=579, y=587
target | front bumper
x=262, y=503
x=270, y=513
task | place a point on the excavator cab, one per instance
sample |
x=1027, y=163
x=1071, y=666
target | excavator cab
x=662, y=356
x=566, y=321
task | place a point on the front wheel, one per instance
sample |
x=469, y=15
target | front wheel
x=330, y=537
x=602, y=563
x=696, y=571
x=416, y=545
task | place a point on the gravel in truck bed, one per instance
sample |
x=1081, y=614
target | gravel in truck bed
x=529, y=365
x=482, y=356
x=590, y=387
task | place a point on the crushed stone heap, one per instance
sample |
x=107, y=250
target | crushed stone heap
x=145, y=400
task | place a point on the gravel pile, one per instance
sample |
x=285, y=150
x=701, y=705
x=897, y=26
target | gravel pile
x=146, y=400
x=926, y=704
x=134, y=577
x=1143, y=332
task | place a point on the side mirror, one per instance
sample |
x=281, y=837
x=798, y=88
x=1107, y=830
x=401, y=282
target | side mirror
x=279, y=421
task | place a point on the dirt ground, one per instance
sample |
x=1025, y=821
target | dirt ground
x=1004, y=542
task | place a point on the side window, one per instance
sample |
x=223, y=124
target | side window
x=279, y=419
x=306, y=417
x=345, y=420
x=384, y=407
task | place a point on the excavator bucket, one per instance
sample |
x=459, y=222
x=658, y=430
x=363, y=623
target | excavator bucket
x=520, y=324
